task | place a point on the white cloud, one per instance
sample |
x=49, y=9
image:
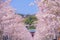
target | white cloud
x=31, y=4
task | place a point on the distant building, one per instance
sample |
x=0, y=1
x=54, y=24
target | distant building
x=32, y=31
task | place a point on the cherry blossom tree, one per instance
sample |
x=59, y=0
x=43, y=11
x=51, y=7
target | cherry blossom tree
x=48, y=19
x=12, y=24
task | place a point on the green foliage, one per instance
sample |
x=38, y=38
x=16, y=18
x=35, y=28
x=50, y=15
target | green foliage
x=32, y=27
x=30, y=20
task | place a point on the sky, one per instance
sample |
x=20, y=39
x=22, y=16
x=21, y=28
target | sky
x=24, y=6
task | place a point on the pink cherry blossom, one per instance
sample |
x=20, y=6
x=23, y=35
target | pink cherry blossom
x=12, y=24
x=48, y=19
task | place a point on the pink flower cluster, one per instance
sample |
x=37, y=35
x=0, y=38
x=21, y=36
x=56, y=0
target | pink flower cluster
x=12, y=24
x=48, y=20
